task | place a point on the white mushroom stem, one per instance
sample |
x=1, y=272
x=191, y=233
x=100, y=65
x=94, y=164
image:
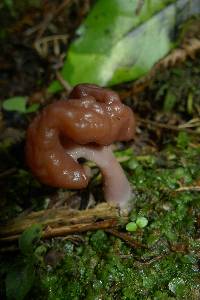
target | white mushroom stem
x=117, y=189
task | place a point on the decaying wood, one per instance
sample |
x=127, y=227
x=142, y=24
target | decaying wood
x=62, y=221
x=127, y=238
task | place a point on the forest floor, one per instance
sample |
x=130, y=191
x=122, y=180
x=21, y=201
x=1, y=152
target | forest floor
x=158, y=257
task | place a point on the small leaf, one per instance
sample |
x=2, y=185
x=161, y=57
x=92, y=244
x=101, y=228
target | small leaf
x=141, y=222
x=124, y=155
x=33, y=108
x=183, y=140
x=132, y=226
x=15, y=104
x=29, y=238
x=133, y=164
x=19, y=281
x=190, y=103
x=170, y=101
x=39, y=252
x=19, y=104
x=176, y=284
x=8, y=3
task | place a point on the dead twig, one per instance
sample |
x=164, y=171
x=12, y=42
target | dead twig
x=65, y=230
x=167, y=126
x=42, y=45
x=8, y=249
x=64, y=83
x=126, y=238
x=8, y=172
x=192, y=123
x=41, y=28
x=188, y=189
x=62, y=221
x=150, y=261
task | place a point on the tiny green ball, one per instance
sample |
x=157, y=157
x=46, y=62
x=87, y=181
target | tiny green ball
x=141, y=222
x=133, y=164
x=132, y=226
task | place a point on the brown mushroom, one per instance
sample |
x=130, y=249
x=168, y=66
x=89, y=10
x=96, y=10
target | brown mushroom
x=83, y=126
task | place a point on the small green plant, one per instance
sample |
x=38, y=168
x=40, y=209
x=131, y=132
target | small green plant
x=140, y=222
x=131, y=226
x=21, y=274
x=19, y=104
x=8, y=3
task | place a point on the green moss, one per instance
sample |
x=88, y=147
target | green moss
x=105, y=267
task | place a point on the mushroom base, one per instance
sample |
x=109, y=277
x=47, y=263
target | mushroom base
x=117, y=189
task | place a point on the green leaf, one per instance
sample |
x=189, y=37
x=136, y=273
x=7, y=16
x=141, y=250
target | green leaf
x=169, y=102
x=190, y=103
x=29, y=238
x=19, y=280
x=124, y=155
x=15, y=104
x=132, y=226
x=183, y=140
x=33, y=108
x=132, y=164
x=177, y=285
x=141, y=222
x=8, y=3
x=117, y=44
x=19, y=104
x=39, y=253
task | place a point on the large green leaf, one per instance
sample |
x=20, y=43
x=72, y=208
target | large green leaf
x=116, y=43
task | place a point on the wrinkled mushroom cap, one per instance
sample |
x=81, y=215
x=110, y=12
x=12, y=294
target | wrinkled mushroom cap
x=92, y=116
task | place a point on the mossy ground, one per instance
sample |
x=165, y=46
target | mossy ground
x=100, y=266
x=104, y=267
x=163, y=167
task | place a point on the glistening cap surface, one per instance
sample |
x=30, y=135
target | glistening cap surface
x=92, y=115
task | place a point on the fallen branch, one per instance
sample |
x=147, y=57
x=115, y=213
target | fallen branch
x=62, y=221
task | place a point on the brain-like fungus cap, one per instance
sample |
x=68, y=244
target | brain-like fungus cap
x=85, y=125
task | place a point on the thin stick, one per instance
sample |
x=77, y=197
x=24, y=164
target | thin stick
x=188, y=189
x=63, y=82
x=126, y=238
x=48, y=18
x=63, y=231
x=166, y=126
x=8, y=172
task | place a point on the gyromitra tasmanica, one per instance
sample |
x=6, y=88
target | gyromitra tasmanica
x=83, y=126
